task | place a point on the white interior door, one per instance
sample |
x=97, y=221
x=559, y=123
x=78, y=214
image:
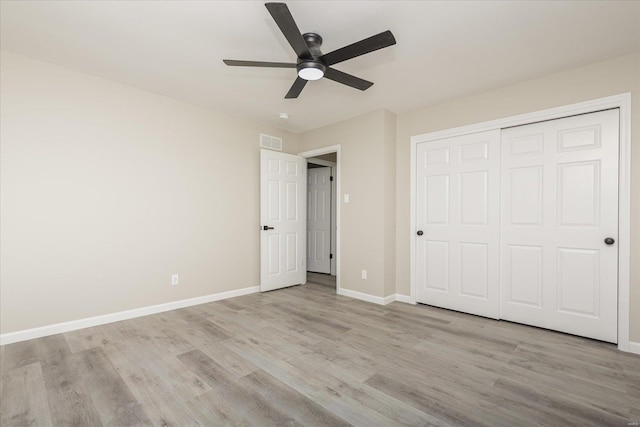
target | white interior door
x=457, y=212
x=283, y=181
x=319, y=220
x=559, y=203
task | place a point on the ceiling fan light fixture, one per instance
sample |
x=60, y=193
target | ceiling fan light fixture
x=311, y=70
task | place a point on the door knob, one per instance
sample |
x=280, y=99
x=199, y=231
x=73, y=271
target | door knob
x=420, y=233
x=266, y=227
x=609, y=240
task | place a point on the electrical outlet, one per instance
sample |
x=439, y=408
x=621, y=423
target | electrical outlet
x=364, y=274
x=175, y=279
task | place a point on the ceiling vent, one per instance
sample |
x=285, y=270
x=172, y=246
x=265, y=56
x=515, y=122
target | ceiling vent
x=270, y=142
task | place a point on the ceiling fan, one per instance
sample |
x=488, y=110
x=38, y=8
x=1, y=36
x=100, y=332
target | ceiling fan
x=311, y=63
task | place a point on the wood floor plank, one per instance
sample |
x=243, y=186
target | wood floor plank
x=615, y=380
x=104, y=336
x=151, y=333
x=129, y=415
x=25, y=402
x=306, y=356
x=165, y=410
x=72, y=406
x=241, y=321
x=111, y=396
x=568, y=409
x=200, y=322
x=331, y=386
x=585, y=394
x=451, y=406
x=209, y=409
x=300, y=407
x=20, y=354
x=230, y=360
x=141, y=368
x=2, y=363
x=322, y=279
x=318, y=387
x=244, y=400
x=69, y=400
x=165, y=335
x=321, y=352
x=163, y=398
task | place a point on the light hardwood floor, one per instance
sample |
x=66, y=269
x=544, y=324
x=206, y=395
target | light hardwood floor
x=305, y=356
x=322, y=279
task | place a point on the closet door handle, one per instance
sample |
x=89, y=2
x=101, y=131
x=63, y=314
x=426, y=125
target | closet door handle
x=609, y=240
x=266, y=227
x=420, y=233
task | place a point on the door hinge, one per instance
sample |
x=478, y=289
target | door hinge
x=330, y=178
x=330, y=256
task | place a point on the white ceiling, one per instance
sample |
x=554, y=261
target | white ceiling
x=445, y=49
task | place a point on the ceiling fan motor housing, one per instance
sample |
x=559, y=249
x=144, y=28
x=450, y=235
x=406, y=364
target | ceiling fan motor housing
x=313, y=68
x=314, y=41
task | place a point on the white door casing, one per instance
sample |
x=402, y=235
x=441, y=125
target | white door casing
x=319, y=220
x=283, y=184
x=559, y=203
x=336, y=172
x=334, y=220
x=457, y=210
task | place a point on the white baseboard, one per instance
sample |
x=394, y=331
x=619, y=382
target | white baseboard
x=634, y=347
x=362, y=296
x=88, y=322
x=374, y=299
x=399, y=298
x=404, y=298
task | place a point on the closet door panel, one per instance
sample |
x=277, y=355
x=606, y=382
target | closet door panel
x=457, y=255
x=559, y=203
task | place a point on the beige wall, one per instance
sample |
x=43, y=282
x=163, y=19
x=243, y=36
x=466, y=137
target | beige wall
x=107, y=190
x=597, y=80
x=389, y=176
x=364, y=142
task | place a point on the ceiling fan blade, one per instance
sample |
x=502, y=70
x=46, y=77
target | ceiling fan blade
x=347, y=79
x=297, y=87
x=373, y=43
x=284, y=19
x=236, y=63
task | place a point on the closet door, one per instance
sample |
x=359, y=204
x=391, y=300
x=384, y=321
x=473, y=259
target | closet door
x=457, y=218
x=559, y=205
